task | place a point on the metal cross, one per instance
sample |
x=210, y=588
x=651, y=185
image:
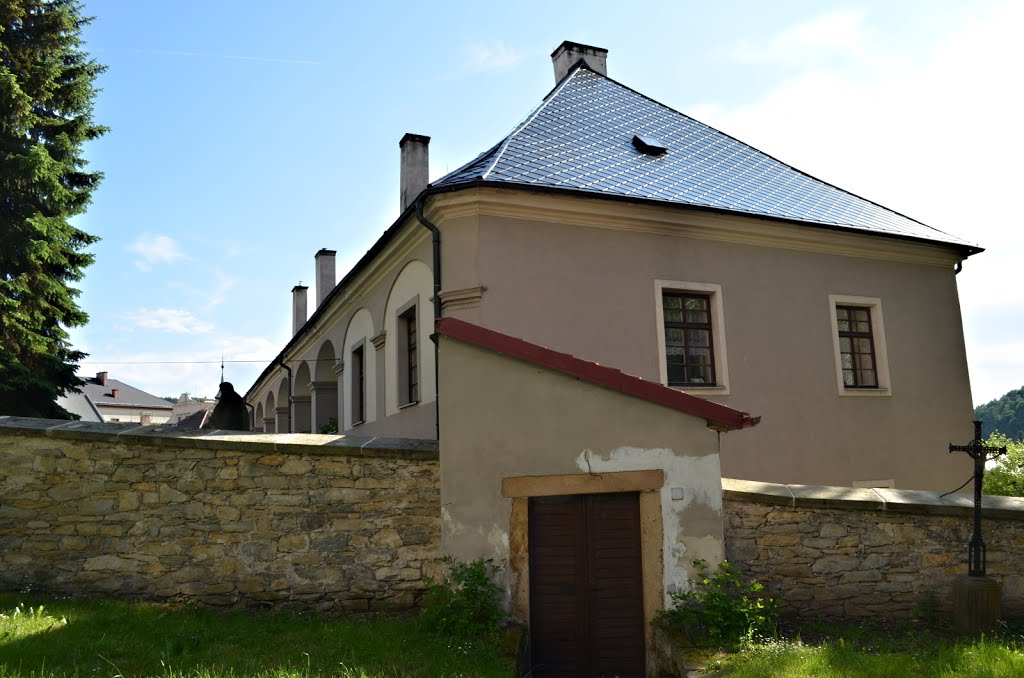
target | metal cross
x=979, y=452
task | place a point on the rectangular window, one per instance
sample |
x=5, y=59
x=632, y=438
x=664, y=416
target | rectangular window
x=358, y=387
x=856, y=347
x=858, y=337
x=408, y=357
x=689, y=339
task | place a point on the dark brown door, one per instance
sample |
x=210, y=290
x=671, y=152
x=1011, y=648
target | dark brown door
x=586, y=604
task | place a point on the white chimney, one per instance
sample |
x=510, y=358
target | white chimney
x=298, y=308
x=568, y=53
x=415, y=171
x=324, y=274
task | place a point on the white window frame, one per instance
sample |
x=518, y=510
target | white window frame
x=714, y=292
x=874, y=304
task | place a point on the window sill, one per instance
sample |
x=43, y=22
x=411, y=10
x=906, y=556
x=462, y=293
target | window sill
x=702, y=390
x=407, y=405
x=870, y=392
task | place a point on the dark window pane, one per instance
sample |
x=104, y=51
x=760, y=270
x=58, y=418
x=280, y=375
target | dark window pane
x=856, y=346
x=688, y=338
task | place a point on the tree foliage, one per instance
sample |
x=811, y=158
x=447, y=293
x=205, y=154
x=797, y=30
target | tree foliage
x=1006, y=476
x=1005, y=414
x=46, y=94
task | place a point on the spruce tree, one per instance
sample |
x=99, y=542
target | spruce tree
x=46, y=94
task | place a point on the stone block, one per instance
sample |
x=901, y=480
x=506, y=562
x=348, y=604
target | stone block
x=97, y=507
x=294, y=467
x=387, y=538
x=833, y=564
x=293, y=542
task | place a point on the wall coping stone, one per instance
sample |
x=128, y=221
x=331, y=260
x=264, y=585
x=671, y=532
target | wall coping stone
x=167, y=435
x=870, y=499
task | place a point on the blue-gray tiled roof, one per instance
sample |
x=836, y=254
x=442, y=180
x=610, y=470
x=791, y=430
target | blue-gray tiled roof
x=580, y=138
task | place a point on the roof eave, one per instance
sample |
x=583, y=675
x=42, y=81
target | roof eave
x=966, y=249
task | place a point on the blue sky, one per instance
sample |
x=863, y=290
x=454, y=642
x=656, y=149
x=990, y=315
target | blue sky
x=246, y=135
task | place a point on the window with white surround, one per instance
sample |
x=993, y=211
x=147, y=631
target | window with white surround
x=691, y=336
x=408, y=357
x=858, y=339
x=357, y=365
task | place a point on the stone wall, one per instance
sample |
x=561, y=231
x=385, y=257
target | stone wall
x=835, y=551
x=302, y=520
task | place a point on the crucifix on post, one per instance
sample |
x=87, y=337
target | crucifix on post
x=979, y=452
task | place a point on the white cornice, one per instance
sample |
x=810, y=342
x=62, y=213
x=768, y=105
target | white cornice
x=683, y=222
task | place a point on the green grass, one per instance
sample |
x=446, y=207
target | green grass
x=108, y=638
x=877, y=651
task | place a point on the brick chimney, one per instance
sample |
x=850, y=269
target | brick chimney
x=298, y=308
x=113, y=393
x=101, y=377
x=324, y=274
x=568, y=53
x=415, y=169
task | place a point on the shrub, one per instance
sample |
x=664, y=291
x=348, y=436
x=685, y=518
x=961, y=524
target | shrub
x=467, y=603
x=330, y=427
x=722, y=609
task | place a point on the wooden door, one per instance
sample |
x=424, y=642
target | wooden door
x=586, y=598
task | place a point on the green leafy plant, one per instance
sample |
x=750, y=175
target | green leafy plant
x=722, y=609
x=330, y=427
x=1006, y=476
x=467, y=603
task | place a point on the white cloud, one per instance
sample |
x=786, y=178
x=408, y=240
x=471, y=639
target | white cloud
x=155, y=249
x=838, y=31
x=932, y=135
x=169, y=320
x=494, y=56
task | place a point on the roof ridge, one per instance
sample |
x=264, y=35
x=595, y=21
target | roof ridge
x=532, y=115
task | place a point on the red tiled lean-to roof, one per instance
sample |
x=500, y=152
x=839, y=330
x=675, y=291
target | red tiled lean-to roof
x=717, y=416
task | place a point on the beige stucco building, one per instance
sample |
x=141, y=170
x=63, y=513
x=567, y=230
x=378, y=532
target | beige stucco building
x=584, y=315
x=834, y=319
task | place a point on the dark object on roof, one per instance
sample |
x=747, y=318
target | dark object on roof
x=580, y=139
x=230, y=414
x=648, y=145
x=718, y=416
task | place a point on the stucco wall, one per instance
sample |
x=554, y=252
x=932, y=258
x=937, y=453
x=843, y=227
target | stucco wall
x=502, y=418
x=367, y=295
x=856, y=552
x=578, y=276
x=310, y=521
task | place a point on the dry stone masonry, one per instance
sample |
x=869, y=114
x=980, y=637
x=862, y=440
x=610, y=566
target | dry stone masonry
x=846, y=552
x=297, y=520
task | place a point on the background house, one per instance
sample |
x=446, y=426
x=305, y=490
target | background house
x=619, y=231
x=109, y=400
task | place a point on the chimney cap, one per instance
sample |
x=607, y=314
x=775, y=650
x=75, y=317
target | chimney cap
x=569, y=53
x=570, y=46
x=326, y=252
x=418, y=138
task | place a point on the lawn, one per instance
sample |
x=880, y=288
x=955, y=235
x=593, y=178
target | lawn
x=109, y=638
x=873, y=649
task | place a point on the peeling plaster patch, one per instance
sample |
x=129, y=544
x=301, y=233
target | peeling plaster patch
x=498, y=540
x=701, y=480
x=449, y=525
x=704, y=548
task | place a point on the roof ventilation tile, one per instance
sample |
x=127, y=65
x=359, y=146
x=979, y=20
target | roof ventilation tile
x=648, y=145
